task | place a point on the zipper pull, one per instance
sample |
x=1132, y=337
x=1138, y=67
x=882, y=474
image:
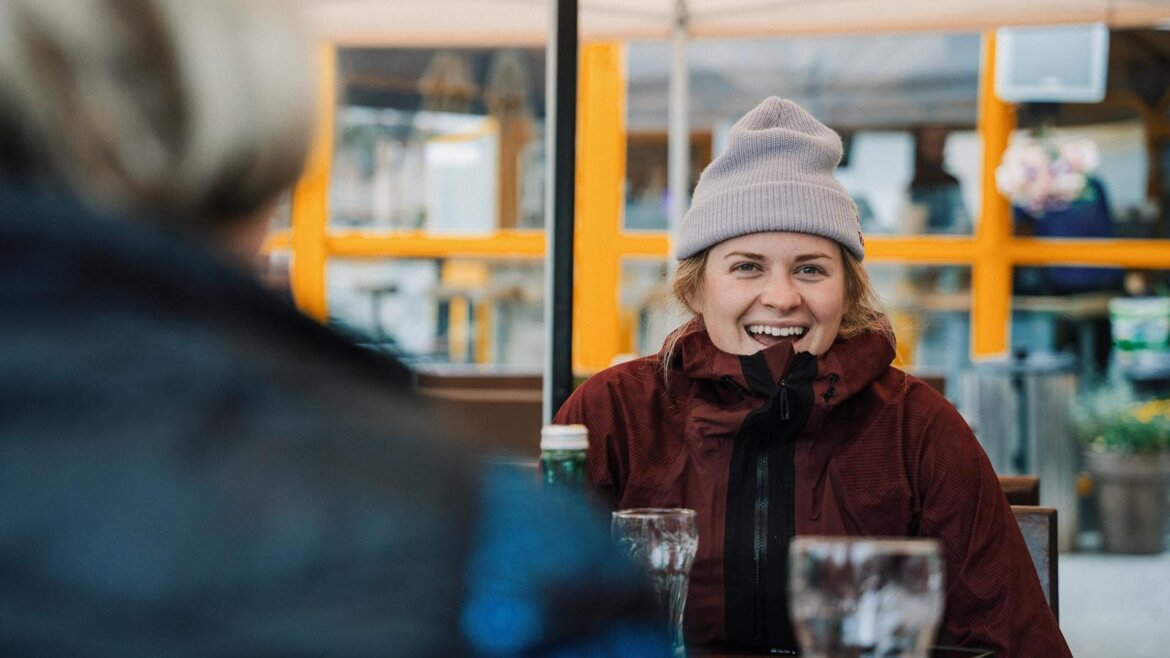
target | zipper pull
x=784, y=411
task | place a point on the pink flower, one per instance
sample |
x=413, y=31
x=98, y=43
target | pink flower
x=1041, y=174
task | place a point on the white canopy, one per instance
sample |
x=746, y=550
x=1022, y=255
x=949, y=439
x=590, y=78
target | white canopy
x=507, y=22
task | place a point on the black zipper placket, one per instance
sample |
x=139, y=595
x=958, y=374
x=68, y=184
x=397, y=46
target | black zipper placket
x=760, y=544
x=760, y=525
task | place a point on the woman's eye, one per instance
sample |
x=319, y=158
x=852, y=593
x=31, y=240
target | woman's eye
x=810, y=270
x=746, y=267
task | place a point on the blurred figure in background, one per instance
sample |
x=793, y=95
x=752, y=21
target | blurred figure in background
x=188, y=466
x=934, y=188
x=936, y=207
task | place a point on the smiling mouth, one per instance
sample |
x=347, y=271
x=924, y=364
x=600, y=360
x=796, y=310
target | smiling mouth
x=763, y=331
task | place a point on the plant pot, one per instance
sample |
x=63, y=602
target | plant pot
x=1131, y=499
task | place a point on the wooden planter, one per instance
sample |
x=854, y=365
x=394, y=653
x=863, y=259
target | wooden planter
x=1131, y=500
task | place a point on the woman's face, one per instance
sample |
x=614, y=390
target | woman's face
x=761, y=288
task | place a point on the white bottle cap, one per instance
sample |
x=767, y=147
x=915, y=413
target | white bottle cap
x=564, y=437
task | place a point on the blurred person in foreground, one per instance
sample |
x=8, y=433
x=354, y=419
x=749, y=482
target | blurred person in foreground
x=776, y=411
x=188, y=466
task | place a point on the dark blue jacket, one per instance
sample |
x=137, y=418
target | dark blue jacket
x=190, y=467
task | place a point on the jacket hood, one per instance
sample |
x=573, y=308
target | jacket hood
x=849, y=364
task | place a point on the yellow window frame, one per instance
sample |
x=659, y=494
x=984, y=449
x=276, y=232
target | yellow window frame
x=991, y=252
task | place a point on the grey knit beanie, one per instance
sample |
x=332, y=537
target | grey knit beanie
x=776, y=175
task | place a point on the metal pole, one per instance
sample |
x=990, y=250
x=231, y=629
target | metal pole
x=678, y=163
x=559, y=201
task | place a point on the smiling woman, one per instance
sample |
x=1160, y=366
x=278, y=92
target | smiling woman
x=761, y=287
x=775, y=411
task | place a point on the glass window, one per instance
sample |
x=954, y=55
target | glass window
x=904, y=104
x=646, y=196
x=449, y=141
x=472, y=311
x=909, y=182
x=388, y=304
x=930, y=309
x=649, y=311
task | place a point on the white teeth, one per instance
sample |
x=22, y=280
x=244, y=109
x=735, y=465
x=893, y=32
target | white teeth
x=775, y=331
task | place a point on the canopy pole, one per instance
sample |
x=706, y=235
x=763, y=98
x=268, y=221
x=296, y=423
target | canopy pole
x=679, y=140
x=559, y=202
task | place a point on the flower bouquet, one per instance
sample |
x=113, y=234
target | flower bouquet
x=1050, y=183
x=1040, y=173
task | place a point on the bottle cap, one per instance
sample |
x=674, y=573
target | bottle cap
x=564, y=437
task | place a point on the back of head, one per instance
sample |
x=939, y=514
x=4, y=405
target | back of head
x=197, y=111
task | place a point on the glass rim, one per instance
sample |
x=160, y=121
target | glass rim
x=653, y=512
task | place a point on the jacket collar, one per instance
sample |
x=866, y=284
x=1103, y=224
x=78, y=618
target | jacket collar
x=846, y=368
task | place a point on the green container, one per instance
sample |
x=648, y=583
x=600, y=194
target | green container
x=563, y=451
x=1141, y=332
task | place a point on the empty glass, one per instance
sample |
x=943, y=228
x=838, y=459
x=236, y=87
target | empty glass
x=865, y=598
x=664, y=542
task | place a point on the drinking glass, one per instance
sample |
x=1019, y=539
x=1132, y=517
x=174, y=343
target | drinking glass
x=865, y=598
x=663, y=541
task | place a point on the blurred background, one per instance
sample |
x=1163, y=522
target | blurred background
x=1015, y=200
x=1010, y=164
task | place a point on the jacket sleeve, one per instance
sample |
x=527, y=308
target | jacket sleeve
x=595, y=406
x=993, y=595
x=543, y=580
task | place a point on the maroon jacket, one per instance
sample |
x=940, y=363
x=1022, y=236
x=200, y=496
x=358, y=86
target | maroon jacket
x=841, y=444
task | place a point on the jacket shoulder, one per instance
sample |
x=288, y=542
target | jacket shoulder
x=631, y=382
x=898, y=387
x=623, y=401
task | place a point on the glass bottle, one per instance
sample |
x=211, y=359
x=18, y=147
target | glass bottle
x=562, y=456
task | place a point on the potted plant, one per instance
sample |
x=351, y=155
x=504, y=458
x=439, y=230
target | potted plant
x=1128, y=455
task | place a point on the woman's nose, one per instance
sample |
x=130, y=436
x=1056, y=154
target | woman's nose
x=780, y=294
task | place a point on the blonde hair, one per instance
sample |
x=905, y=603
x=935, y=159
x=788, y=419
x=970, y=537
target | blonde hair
x=863, y=306
x=198, y=111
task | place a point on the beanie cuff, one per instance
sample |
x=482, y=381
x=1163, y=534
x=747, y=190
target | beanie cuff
x=796, y=206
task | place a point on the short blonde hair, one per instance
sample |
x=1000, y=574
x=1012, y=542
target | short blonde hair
x=863, y=306
x=196, y=111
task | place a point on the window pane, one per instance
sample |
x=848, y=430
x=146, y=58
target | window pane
x=1129, y=135
x=930, y=309
x=649, y=312
x=449, y=141
x=884, y=94
x=646, y=203
x=1088, y=181
x=469, y=311
x=1064, y=309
